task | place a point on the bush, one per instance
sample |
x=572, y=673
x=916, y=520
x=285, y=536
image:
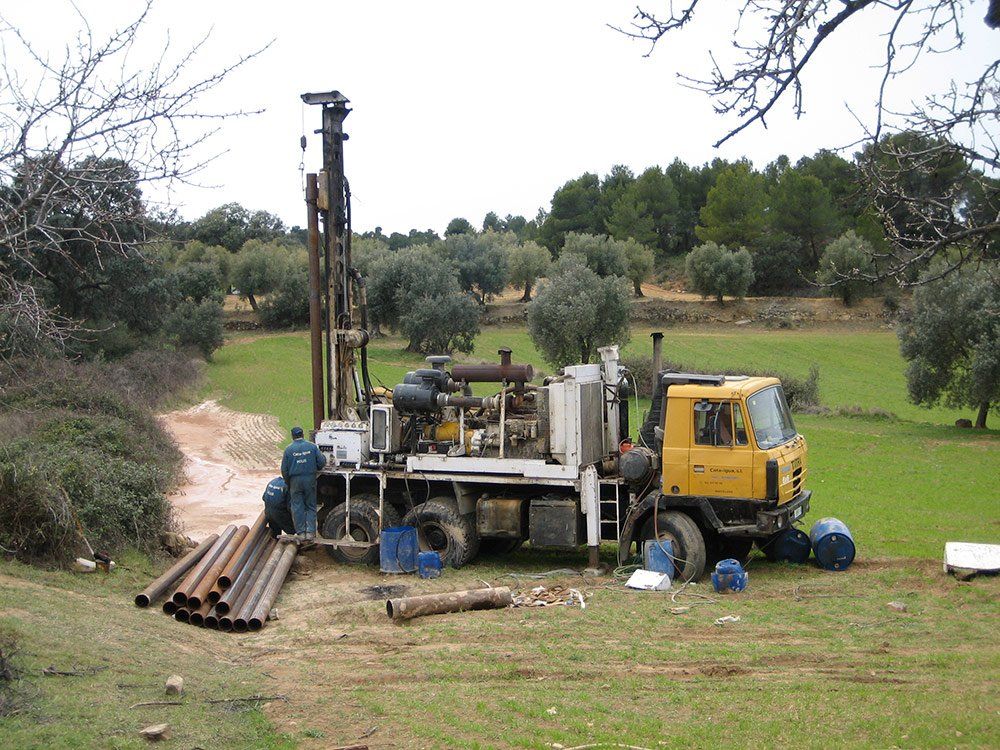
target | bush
x=801, y=393
x=844, y=262
x=197, y=325
x=602, y=255
x=81, y=444
x=713, y=271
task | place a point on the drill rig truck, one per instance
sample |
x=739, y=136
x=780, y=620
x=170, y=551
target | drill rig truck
x=717, y=465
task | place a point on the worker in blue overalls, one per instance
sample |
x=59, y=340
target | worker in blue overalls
x=299, y=465
x=277, y=511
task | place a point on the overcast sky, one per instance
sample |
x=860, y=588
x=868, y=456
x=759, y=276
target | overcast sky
x=465, y=107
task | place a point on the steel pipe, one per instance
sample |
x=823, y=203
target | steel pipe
x=160, y=585
x=657, y=337
x=315, y=306
x=240, y=622
x=200, y=594
x=194, y=577
x=259, y=616
x=231, y=594
x=406, y=608
x=198, y=616
x=212, y=619
x=182, y=614
x=169, y=606
x=242, y=554
x=226, y=622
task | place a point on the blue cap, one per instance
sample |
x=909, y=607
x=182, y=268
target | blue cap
x=297, y=432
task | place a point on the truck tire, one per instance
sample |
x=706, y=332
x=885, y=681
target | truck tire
x=687, y=539
x=440, y=527
x=727, y=548
x=364, y=528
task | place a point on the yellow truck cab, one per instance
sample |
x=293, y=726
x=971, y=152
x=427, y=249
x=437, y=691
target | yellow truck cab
x=726, y=467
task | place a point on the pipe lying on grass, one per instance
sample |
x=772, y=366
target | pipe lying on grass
x=228, y=621
x=240, y=622
x=182, y=615
x=406, y=608
x=198, y=616
x=200, y=594
x=259, y=616
x=193, y=578
x=242, y=554
x=243, y=578
x=158, y=587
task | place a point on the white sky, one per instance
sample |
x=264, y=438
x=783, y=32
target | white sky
x=465, y=107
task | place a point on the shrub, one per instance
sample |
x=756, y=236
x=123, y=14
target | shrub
x=197, y=325
x=842, y=266
x=713, y=271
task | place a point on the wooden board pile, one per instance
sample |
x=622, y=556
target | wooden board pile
x=228, y=582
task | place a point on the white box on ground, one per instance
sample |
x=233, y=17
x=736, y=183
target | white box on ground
x=969, y=556
x=648, y=580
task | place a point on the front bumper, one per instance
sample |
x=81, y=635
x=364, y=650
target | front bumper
x=782, y=517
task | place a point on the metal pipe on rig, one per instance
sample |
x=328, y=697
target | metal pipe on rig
x=239, y=558
x=159, y=586
x=259, y=616
x=315, y=302
x=194, y=577
x=244, y=576
x=406, y=608
x=506, y=371
x=200, y=594
x=227, y=621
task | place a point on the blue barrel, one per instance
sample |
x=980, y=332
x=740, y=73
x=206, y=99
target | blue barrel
x=398, y=550
x=729, y=576
x=790, y=545
x=832, y=544
x=429, y=564
x=658, y=556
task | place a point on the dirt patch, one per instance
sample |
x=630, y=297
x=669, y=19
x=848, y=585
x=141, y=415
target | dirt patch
x=229, y=459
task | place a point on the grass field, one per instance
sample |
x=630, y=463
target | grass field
x=817, y=660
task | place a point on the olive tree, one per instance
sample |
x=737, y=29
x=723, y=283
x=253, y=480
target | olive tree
x=714, y=270
x=951, y=339
x=527, y=262
x=575, y=312
x=256, y=271
x=640, y=264
x=601, y=254
x=845, y=267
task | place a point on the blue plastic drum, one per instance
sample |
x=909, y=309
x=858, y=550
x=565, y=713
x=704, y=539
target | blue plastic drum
x=832, y=544
x=729, y=576
x=429, y=564
x=790, y=545
x=398, y=550
x=658, y=556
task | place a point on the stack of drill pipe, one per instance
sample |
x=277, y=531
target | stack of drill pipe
x=212, y=619
x=159, y=587
x=241, y=621
x=242, y=555
x=199, y=595
x=182, y=614
x=193, y=579
x=246, y=574
x=259, y=616
x=242, y=587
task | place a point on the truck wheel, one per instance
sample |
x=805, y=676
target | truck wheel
x=440, y=527
x=364, y=528
x=687, y=540
x=498, y=546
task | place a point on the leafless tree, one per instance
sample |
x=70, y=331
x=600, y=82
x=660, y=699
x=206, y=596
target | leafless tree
x=956, y=221
x=81, y=134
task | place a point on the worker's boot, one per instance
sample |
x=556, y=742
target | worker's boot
x=309, y=536
x=291, y=538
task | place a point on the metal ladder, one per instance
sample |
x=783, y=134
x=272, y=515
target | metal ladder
x=615, y=519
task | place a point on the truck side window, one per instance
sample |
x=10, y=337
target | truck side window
x=740, y=425
x=713, y=424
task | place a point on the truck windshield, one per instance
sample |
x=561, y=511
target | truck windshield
x=770, y=418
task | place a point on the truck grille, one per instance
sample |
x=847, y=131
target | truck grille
x=796, y=481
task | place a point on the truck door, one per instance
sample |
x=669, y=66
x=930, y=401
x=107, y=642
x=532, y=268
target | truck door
x=721, y=460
